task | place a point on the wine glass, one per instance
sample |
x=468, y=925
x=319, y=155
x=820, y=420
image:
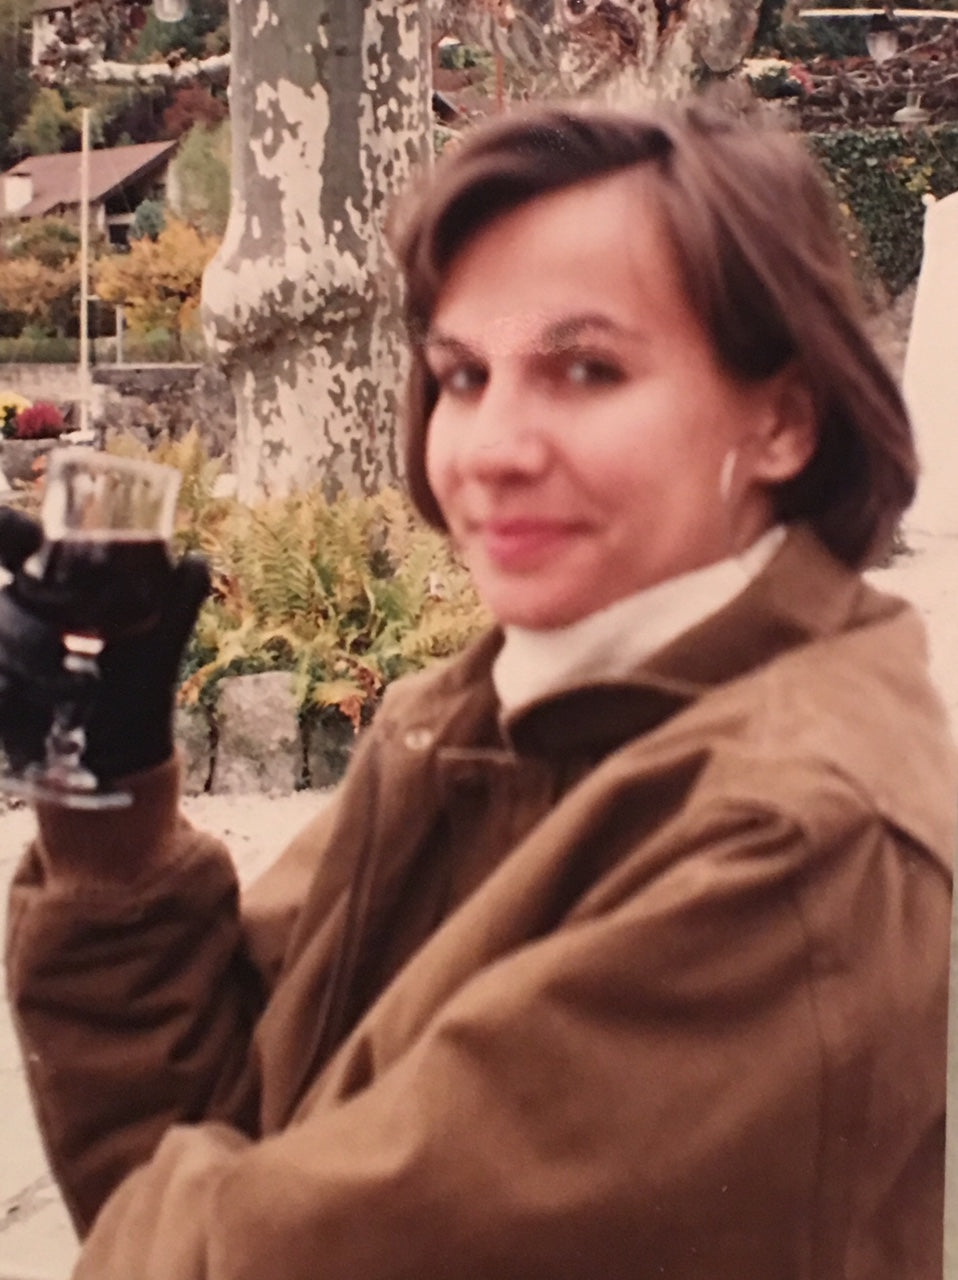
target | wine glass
x=99, y=575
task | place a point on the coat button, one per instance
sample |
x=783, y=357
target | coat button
x=419, y=739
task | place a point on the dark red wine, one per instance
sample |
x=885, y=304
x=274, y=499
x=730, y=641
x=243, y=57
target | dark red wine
x=100, y=583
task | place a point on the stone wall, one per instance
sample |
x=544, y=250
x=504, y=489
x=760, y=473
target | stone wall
x=154, y=401
x=162, y=402
x=254, y=740
x=57, y=382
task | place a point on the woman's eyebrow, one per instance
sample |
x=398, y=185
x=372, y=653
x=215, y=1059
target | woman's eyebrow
x=562, y=332
x=436, y=340
x=555, y=336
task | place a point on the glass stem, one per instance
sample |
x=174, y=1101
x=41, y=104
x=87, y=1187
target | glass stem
x=66, y=741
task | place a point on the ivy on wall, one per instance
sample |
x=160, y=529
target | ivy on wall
x=880, y=176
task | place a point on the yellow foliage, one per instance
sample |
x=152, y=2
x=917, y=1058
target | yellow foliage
x=12, y=402
x=158, y=281
x=29, y=287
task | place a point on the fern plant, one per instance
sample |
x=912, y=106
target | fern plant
x=346, y=595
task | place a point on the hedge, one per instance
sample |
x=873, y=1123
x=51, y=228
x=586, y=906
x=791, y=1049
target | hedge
x=880, y=176
x=51, y=350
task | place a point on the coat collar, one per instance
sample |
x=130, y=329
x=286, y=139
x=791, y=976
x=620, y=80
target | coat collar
x=802, y=594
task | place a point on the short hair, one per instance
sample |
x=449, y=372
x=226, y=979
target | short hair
x=755, y=232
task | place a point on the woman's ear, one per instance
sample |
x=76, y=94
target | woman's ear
x=787, y=438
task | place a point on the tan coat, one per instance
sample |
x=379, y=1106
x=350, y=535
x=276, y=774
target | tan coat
x=655, y=988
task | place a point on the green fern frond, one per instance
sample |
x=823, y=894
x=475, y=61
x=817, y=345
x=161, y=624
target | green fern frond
x=345, y=595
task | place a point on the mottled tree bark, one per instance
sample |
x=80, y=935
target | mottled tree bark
x=330, y=118
x=625, y=52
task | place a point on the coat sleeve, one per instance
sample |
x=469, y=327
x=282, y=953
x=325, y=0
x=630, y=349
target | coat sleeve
x=668, y=1084
x=135, y=981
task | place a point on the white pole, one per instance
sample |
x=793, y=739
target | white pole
x=85, y=272
x=947, y=15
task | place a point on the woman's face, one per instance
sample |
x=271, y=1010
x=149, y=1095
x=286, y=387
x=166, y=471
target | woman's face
x=586, y=442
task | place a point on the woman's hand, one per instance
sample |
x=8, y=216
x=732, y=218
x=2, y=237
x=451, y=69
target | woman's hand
x=131, y=723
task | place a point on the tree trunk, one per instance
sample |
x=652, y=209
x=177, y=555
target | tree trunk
x=330, y=117
x=623, y=52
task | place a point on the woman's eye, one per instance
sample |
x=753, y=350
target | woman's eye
x=461, y=380
x=590, y=371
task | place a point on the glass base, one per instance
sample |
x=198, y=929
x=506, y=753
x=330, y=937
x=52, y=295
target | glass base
x=39, y=786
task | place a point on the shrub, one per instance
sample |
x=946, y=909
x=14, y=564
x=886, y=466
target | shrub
x=880, y=177
x=39, y=421
x=53, y=241
x=149, y=220
x=156, y=279
x=156, y=346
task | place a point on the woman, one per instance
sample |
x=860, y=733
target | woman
x=623, y=949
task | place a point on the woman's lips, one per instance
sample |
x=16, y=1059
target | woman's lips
x=523, y=543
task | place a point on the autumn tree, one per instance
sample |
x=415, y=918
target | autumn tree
x=158, y=281
x=194, y=104
x=39, y=275
x=39, y=294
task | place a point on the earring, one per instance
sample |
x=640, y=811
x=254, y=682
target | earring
x=729, y=463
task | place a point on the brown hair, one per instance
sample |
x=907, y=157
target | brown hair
x=754, y=230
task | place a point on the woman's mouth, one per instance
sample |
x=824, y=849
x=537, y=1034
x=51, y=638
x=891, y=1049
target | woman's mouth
x=523, y=543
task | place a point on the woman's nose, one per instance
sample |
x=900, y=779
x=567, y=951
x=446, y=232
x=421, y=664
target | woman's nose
x=507, y=435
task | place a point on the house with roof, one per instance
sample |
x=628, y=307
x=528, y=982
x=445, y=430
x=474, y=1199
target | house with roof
x=121, y=178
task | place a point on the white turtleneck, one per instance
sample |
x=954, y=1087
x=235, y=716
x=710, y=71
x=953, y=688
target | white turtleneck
x=608, y=644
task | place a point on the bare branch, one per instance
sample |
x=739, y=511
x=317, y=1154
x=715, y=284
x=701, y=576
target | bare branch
x=215, y=70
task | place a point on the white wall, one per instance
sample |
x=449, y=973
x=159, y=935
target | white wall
x=930, y=380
